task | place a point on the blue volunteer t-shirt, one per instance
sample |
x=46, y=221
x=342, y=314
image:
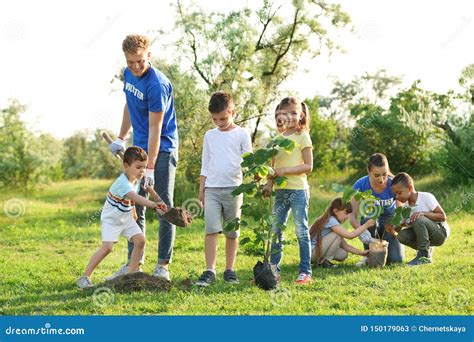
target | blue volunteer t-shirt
x=385, y=199
x=152, y=92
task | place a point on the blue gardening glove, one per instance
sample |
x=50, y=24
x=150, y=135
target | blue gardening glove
x=117, y=146
x=149, y=179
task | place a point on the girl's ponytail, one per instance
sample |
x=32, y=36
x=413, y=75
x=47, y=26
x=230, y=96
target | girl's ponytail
x=304, y=120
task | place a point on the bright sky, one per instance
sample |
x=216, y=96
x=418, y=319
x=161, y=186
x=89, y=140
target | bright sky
x=58, y=57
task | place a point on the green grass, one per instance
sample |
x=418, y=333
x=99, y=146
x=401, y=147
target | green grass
x=44, y=251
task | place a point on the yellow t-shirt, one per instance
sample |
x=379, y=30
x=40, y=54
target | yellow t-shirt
x=289, y=159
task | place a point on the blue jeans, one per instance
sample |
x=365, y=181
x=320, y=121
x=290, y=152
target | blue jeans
x=297, y=201
x=396, y=251
x=165, y=173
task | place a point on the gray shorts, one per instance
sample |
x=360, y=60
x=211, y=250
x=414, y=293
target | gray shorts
x=220, y=207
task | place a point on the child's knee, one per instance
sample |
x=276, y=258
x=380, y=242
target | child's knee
x=422, y=221
x=341, y=255
x=302, y=232
x=107, y=247
x=139, y=240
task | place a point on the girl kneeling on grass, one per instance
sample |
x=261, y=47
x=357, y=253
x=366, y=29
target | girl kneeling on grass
x=328, y=236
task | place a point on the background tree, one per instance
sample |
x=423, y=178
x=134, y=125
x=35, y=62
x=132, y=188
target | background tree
x=252, y=52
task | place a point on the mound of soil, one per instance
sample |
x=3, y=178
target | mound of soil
x=178, y=216
x=138, y=281
x=264, y=277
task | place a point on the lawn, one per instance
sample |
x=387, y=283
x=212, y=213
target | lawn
x=48, y=237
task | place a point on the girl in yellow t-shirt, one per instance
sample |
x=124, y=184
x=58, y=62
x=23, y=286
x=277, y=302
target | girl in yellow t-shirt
x=292, y=120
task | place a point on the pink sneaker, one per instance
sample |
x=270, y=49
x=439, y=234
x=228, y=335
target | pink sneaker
x=304, y=278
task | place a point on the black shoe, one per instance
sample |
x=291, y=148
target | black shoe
x=327, y=264
x=207, y=278
x=230, y=277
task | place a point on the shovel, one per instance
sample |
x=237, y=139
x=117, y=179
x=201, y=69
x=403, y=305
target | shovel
x=177, y=216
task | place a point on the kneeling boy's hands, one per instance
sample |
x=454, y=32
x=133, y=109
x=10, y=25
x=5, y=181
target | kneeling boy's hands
x=415, y=216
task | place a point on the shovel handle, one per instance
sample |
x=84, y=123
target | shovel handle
x=109, y=140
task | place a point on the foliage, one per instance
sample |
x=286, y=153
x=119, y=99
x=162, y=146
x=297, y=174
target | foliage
x=25, y=159
x=366, y=199
x=251, y=52
x=329, y=139
x=258, y=168
x=86, y=156
x=399, y=216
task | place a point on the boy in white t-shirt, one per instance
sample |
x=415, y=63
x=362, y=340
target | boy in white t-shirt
x=118, y=214
x=427, y=226
x=221, y=173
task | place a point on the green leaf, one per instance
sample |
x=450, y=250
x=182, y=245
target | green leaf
x=348, y=194
x=262, y=171
x=248, y=159
x=244, y=240
x=280, y=181
x=406, y=211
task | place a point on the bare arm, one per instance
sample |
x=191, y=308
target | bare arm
x=140, y=200
x=351, y=249
x=125, y=128
x=437, y=215
x=202, y=183
x=154, y=135
x=353, y=216
x=306, y=167
x=341, y=231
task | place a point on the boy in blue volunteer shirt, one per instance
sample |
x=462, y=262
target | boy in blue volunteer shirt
x=378, y=180
x=149, y=110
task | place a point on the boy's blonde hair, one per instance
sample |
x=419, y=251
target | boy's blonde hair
x=134, y=42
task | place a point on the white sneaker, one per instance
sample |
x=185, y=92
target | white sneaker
x=121, y=271
x=84, y=283
x=161, y=272
x=362, y=262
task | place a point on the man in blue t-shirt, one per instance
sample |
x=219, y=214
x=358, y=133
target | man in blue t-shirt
x=149, y=110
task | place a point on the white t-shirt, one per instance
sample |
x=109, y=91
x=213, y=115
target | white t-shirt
x=222, y=155
x=427, y=202
x=424, y=202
